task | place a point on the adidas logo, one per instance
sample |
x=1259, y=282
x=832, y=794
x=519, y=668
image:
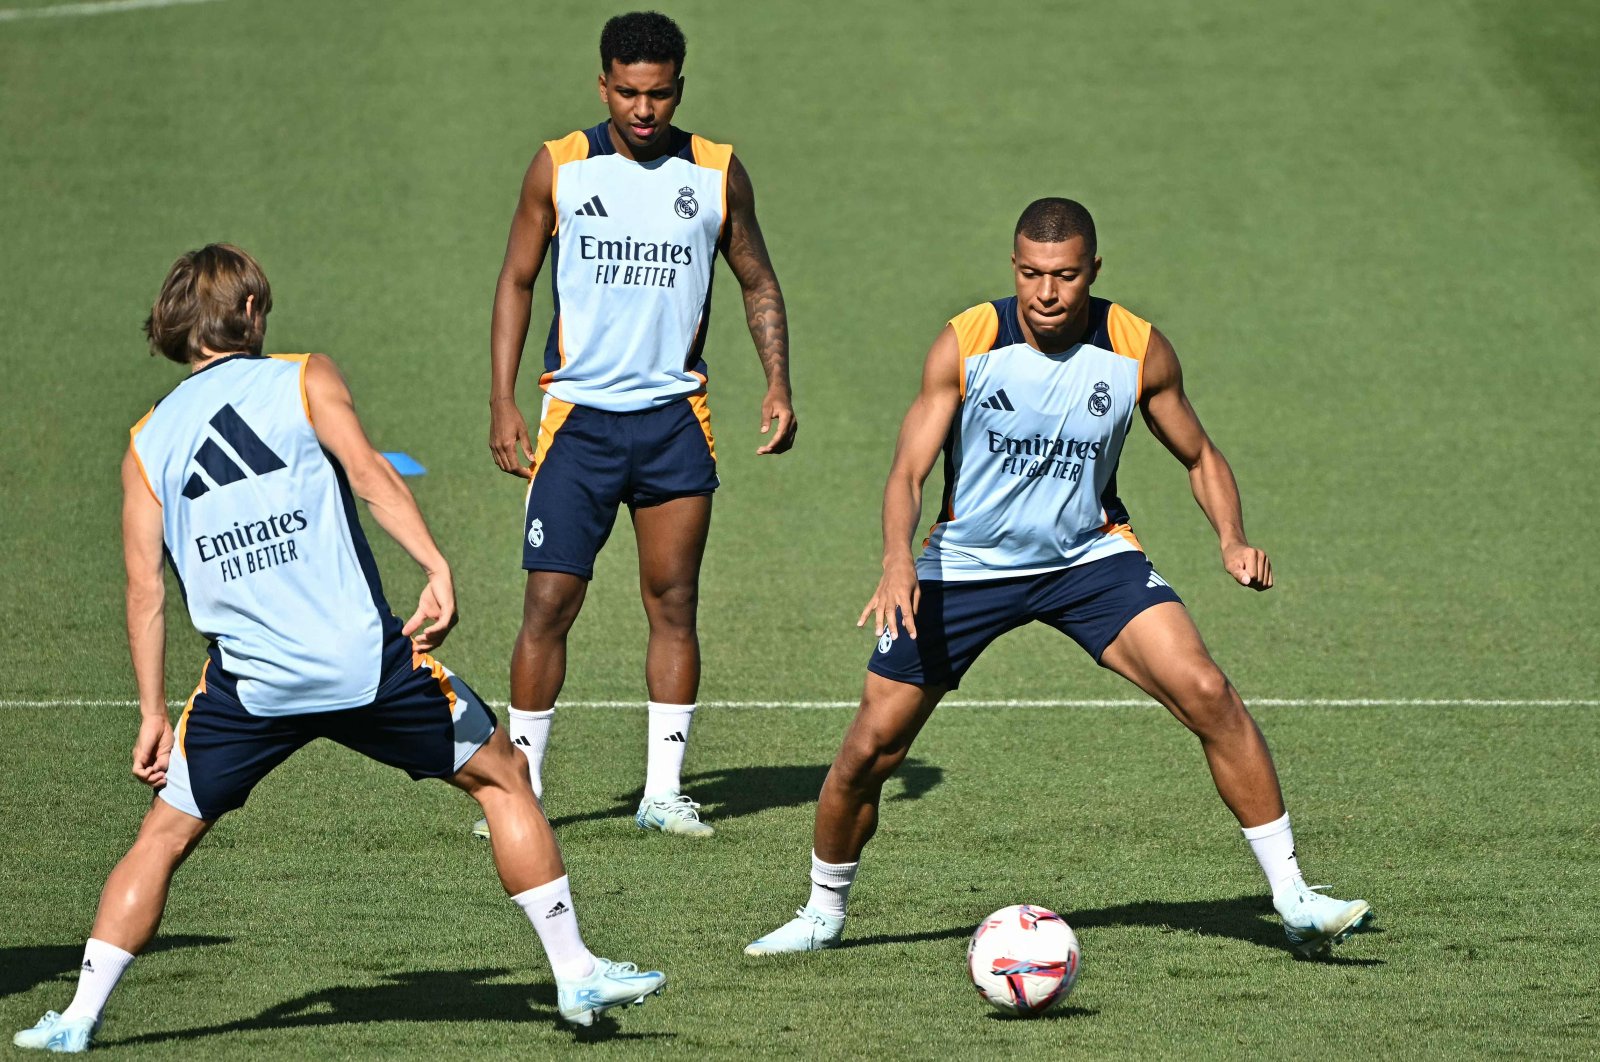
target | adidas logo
x=559, y=909
x=594, y=209
x=88, y=964
x=676, y=735
x=222, y=469
x=1155, y=581
x=522, y=739
x=998, y=400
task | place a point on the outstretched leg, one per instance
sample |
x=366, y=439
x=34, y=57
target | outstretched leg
x=891, y=716
x=1161, y=652
x=131, y=906
x=672, y=543
x=529, y=863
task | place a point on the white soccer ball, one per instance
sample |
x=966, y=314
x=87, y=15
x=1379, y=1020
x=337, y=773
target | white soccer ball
x=1023, y=959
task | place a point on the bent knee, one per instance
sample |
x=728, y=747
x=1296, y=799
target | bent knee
x=1208, y=701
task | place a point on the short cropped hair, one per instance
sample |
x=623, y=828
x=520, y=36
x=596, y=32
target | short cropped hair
x=642, y=37
x=1056, y=220
x=202, y=305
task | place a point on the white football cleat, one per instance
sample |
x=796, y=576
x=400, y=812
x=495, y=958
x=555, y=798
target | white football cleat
x=1314, y=923
x=809, y=930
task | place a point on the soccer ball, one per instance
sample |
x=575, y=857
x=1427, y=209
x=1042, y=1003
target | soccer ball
x=1023, y=959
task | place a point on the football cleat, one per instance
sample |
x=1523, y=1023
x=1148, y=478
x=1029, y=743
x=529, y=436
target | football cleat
x=612, y=984
x=481, y=828
x=809, y=930
x=671, y=813
x=1314, y=923
x=53, y=1033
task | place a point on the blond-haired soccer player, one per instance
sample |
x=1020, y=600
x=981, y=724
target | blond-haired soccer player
x=246, y=475
x=1030, y=398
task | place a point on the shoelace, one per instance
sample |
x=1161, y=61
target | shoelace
x=681, y=805
x=811, y=916
x=626, y=969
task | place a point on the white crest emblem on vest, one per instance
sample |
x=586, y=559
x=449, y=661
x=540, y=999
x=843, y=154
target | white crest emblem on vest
x=536, y=534
x=685, y=204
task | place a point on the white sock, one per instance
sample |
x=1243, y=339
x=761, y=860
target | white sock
x=549, y=908
x=669, y=738
x=830, y=885
x=530, y=732
x=103, y=965
x=1273, y=844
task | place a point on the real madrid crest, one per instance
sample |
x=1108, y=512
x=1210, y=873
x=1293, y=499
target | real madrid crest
x=686, y=206
x=1100, y=401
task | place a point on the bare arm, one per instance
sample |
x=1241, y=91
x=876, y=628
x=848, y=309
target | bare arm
x=147, y=622
x=374, y=481
x=763, y=307
x=1173, y=421
x=531, y=229
x=922, y=436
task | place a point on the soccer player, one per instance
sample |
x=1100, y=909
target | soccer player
x=1030, y=398
x=632, y=213
x=245, y=477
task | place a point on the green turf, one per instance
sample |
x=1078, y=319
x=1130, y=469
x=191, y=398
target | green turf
x=1370, y=229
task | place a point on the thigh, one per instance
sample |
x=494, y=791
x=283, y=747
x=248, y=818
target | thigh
x=425, y=720
x=672, y=453
x=220, y=751
x=1161, y=652
x=956, y=621
x=891, y=715
x=672, y=543
x=1093, y=603
x=579, y=478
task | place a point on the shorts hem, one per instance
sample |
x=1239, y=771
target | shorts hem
x=1123, y=621
x=662, y=499
x=586, y=574
x=951, y=682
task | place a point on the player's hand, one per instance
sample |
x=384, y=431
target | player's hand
x=1249, y=566
x=508, y=439
x=896, y=600
x=435, y=615
x=152, y=751
x=778, y=406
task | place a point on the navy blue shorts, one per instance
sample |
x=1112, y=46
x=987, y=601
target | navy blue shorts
x=424, y=720
x=956, y=621
x=588, y=462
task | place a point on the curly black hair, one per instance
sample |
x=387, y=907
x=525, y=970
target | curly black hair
x=642, y=37
x=1057, y=220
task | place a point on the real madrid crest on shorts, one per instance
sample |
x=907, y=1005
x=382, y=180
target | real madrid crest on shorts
x=1100, y=401
x=536, y=534
x=686, y=205
x=885, y=641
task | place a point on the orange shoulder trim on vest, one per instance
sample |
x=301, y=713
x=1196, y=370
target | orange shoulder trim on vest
x=976, y=330
x=714, y=156
x=574, y=147
x=133, y=433
x=305, y=361
x=1130, y=337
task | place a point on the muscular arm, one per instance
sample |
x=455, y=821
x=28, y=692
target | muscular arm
x=531, y=229
x=922, y=436
x=147, y=623
x=374, y=481
x=764, y=311
x=1173, y=420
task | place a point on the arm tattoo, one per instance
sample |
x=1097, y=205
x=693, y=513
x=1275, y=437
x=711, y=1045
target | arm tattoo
x=746, y=253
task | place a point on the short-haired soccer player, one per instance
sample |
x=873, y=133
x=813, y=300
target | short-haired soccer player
x=632, y=214
x=245, y=475
x=1030, y=398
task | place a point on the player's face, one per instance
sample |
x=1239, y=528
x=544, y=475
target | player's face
x=1053, y=282
x=641, y=98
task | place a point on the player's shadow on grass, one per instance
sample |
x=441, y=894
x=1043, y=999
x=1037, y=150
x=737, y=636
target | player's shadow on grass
x=1246, y=918
x=413, y=995
x=24, y=968
x=739, y=791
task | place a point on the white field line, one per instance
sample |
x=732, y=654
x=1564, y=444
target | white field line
x=98, y=7
x=1259, y=702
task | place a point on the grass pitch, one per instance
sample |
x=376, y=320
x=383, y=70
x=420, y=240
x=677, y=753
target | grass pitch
x=1369, y=230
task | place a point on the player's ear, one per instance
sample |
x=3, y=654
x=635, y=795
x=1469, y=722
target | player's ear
x=1094, y=271
x=680, y=88
x=605, y=96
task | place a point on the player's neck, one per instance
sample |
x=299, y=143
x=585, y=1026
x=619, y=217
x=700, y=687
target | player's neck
x=620, y=145
x=208, y=358
x=1070, y=337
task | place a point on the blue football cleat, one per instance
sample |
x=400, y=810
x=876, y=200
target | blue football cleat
x=53, y=1033
x=612, y=984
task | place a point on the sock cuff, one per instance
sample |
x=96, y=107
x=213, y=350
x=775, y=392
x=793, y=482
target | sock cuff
x=518, y=713
x=1266, y=829
x=833, y=873
x=658, y=708
x=110, y=951
x=540, y=892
